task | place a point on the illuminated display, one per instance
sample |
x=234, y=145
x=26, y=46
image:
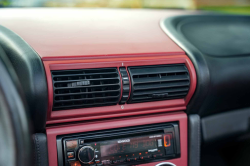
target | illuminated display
x=129, y=145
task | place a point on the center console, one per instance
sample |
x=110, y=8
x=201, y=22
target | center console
x=122, y=146
x=141, y=140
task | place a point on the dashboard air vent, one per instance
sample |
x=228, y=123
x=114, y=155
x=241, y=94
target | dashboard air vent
x=163, y=82
x=85, y=88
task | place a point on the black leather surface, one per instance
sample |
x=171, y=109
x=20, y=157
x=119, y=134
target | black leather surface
x=40, y=149
x=194, y=140
x=15, y=138
x=229, y=124
x=222, y=68
x=30, y=71
x=218, y=36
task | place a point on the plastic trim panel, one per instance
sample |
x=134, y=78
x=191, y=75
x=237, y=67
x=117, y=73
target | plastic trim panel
x=181, y=117
x=117, y=110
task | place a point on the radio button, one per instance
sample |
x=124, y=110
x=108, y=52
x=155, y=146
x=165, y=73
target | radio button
x=70, y=155
x=149, y=156
x=81, y=141
x=122, y=160
x=131, y=159
x=106, y=162
x=157, y=155
x=115, y=161
x=97, y=161
x=146, y=157
x=159, y=142
x=100, y=164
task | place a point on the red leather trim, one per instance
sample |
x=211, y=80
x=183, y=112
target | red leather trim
x=117, y=110
x=181, y=117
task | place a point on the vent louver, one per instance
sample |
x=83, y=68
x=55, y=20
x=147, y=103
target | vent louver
x=163, y=82
x=85, y=88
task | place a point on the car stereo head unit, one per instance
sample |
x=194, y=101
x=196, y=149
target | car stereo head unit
x=126, y=146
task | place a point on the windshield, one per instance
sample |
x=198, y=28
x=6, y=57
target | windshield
x=226, y=6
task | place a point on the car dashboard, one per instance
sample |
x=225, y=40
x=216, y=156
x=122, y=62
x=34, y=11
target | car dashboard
x=128, y=86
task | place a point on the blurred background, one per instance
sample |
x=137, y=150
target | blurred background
x=226, y=6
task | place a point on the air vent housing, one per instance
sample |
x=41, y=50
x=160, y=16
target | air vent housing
x=85, y=88
x=162, y=82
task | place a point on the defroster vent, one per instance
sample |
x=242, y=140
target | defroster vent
x=85, y=88
x=162, y=82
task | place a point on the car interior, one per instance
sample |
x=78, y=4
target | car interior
x=123, y=87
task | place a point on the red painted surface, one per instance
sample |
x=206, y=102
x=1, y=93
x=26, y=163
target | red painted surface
x=91, y=38
x=181, y=117
x=116, y=110
x=68, y=33
x=95, y=38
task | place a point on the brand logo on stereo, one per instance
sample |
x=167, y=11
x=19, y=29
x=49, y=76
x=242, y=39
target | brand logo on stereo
x=123, y=140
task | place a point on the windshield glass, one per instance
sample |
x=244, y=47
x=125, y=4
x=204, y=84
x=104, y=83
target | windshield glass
x=226, y=6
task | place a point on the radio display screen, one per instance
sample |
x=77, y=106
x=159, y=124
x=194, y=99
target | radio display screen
x=129, y=145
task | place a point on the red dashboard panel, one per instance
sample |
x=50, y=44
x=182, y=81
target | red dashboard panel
x=181, y=117
x=108, y=38
x=69, y=33
x=117, y=110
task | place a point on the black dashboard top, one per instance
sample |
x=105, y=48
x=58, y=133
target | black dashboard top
x=219, y=47
x=30, y=72
x=218, y=36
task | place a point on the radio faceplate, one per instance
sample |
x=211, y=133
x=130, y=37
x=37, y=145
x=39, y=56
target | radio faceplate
x=123, y=146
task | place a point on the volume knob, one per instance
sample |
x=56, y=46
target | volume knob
x=86, y=154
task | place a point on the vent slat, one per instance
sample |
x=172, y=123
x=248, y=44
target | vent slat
x=84, y=93
x=158, y=91
x=161, y=85
x=85, y=88
x=84, y=105
x=161, y=79
x=96, y=98
x=88, y=74
x=103, y=70
x=162, y=82
x=97, y=79
x=158, y=70
x=170, y=96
